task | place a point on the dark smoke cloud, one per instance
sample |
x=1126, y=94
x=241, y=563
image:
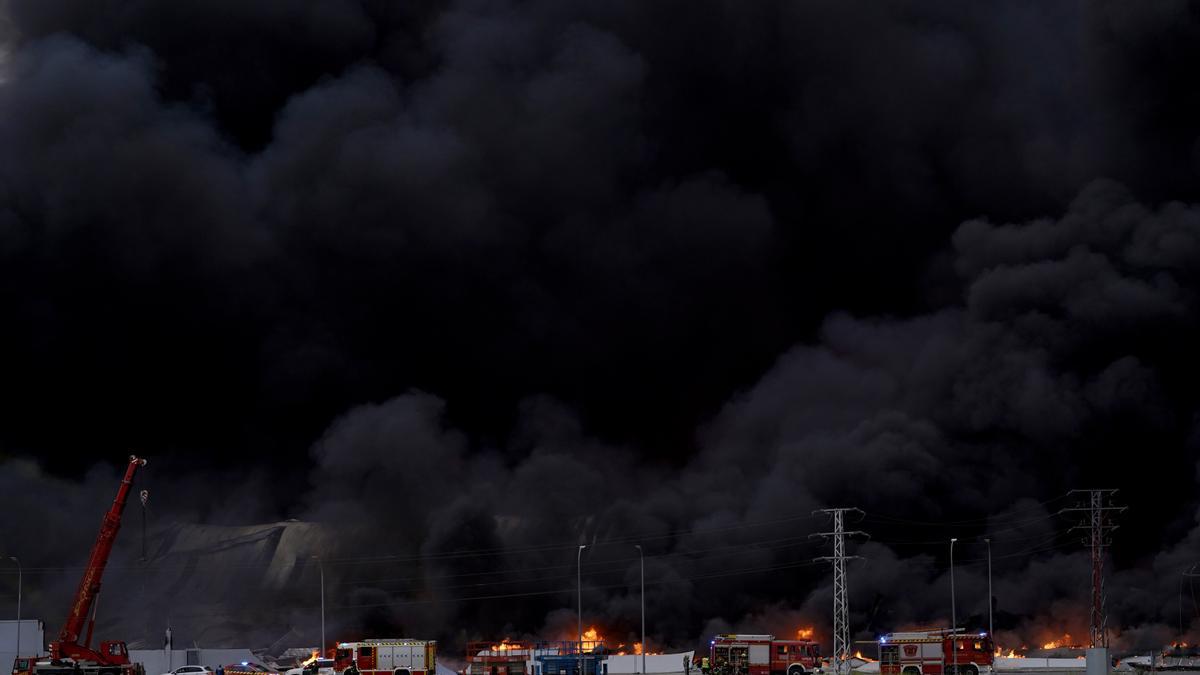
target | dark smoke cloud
x=928, y=423
x=308, y=197
x=527, y=276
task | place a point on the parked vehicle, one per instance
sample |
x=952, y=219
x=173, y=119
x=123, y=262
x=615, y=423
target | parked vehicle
x=191, y=670
x=317, y=667
x=247, y=668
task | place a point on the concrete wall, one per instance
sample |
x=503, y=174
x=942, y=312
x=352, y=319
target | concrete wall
x=658, y=664
x=1019, y=666
x=157, y=661
x=33, y=640
x=1097, y=661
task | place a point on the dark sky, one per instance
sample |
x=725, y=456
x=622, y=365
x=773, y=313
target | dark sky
x=930, y=258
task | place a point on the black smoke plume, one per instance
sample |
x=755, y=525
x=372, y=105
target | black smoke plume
x=461, y=286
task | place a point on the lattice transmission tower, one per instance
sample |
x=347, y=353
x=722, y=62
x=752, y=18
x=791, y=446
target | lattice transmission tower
x=1098, y=527
x=841, y=607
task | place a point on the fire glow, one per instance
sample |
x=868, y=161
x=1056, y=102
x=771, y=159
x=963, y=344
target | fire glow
x=637, y=650
x=310, y=659
x=805, y=633
x=1062, y=642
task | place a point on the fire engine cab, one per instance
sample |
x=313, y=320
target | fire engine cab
x=738, y=654
x=386, y=657
x=936, y=652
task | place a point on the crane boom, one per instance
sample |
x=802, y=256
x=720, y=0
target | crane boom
x=89, y=586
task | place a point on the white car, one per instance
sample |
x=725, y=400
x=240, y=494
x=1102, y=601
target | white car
x=318, y=667
x=191, y=670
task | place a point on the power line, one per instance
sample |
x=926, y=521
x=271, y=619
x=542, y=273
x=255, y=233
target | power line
x=1041, y=547
x=1017, y=525
x=551, y=547
x=476, y=553
x=608, y=567
x=714, y=575
x=956, y=523
x=498, y=551
x=420, y=601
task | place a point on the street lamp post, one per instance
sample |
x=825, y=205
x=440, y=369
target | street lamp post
x=953, y=615
x=1181, y=578
x=579, y=601
x=321, y=566
x=991, y=633
x=19, y=583
x=1189, y=573
x=642, y=564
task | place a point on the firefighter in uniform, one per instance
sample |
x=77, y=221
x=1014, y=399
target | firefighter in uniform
x=704, y=665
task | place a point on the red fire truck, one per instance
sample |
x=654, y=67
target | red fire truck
x=386, y=657
x=935, y=652
x=737, y=654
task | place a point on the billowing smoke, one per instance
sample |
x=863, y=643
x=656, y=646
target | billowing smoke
x=465, y=285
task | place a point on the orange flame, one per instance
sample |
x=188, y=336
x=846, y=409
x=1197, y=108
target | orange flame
x=858, y=655
x=637, y=650
x=591, y=635
x=1012, y=654
x=505, y=645
x=1064, y=641
x=312, y=658
x=804, y=633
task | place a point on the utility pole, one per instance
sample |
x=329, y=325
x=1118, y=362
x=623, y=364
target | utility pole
x=1098, y=529
x=579, y=601
x=144, y=496
x=1189, y=574
x=991, y=633
x=642, y=563
x=841, y=611
x=953, y=615
x=321, y=567
x=20, y=574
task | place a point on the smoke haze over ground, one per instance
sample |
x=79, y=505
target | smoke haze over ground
x=471, y=283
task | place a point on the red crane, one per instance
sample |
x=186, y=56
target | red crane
x=67, y=646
